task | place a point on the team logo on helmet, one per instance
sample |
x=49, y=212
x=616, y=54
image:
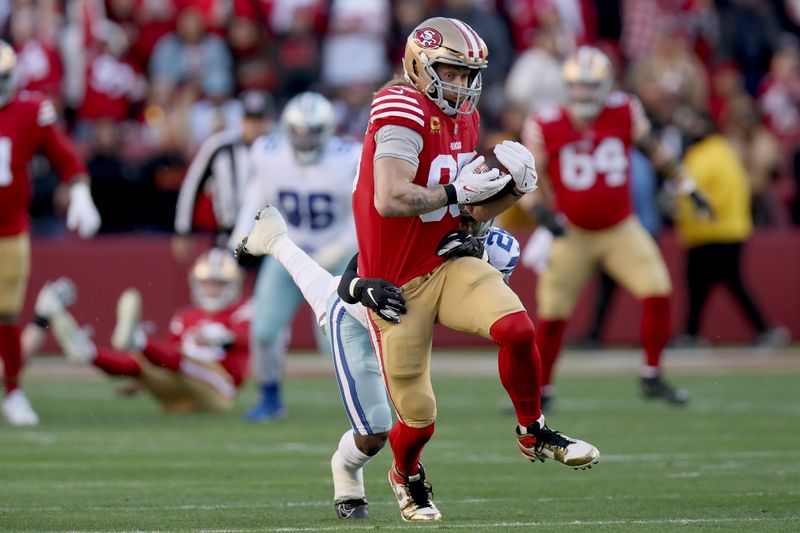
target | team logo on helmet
x=428, y=38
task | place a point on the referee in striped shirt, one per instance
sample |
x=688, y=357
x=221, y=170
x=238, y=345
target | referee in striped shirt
x=220, y=172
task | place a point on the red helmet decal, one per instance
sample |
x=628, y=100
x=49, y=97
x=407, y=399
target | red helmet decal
x=428, y=38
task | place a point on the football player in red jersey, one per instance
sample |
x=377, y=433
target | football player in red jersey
x=28, y=126
x=585, y=149
x=417, y=165
x=198, y=367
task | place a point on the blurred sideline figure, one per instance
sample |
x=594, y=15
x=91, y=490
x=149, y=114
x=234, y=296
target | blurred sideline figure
x=583, y=150
x=27, y=127
x=202, y=363
x=213, y=190
x=343, y=315
x=308, y=175
x=715, y=246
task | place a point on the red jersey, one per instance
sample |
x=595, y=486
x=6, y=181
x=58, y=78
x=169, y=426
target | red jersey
x=401, y=248
x=589, y=169
x=28, y=126
x=190, y=325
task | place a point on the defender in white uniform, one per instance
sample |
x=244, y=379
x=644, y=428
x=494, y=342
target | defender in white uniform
x=356, y=367
x=307, y=173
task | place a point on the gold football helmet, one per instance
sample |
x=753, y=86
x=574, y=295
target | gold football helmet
x=215, y=280
x=450, y=41
x=8, y=72
x=588, y=75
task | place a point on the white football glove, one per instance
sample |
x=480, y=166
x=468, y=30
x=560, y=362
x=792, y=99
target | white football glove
x=82, y=214
x=473, y=186
x=519, y=162
x=537, y=250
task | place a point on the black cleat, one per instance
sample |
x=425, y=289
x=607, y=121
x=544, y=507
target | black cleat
x=656, y=387
x=355, y=509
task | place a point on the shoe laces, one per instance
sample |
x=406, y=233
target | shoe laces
x=546, y=436
x=420, y=490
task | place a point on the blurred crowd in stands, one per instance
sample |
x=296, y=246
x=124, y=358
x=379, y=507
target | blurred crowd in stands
x=141, y=83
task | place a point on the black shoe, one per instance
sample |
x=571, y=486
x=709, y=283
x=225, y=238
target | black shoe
x=656, y=387
x=352, y=509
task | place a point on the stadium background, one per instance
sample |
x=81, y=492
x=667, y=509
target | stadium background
x=142, y=83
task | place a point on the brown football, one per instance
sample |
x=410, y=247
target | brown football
x=488, y=164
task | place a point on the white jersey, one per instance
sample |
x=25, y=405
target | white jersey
x=502, y=249
x=315, y=200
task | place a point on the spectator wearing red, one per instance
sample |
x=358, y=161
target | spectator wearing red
x=38, y=62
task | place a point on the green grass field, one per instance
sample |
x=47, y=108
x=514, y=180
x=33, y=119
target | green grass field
x=99, y=462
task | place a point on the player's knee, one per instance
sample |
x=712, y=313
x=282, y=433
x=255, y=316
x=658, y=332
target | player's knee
x=417, y=409
x=371, y=444
x=514, y=330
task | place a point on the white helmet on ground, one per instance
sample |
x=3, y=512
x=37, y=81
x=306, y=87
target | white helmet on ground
x=308, y=121
x=216, y=280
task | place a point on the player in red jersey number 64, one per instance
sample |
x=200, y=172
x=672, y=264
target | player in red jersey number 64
x=584, y=148
x=418, y=166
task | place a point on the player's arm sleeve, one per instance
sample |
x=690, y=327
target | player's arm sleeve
x=255, y=198
x=664, y=160
x=349, y=275
x=187, y=197
x=398, y=142
x=55, y=145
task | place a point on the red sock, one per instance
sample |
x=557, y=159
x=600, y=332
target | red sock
x=551, y=335
x=655, y=328
x=407, y=444
x=116, y=363
x=519, y=364
x=163, y=354
x=11, y=353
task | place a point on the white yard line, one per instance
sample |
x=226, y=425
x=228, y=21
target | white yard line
x=493, y=525
x=381, y=503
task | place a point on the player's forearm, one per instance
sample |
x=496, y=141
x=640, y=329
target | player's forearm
x=491, y=209
x=397, y=196
x=413, y=200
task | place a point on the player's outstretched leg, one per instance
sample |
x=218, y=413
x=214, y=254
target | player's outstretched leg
x=269, y=236
x=268, y=229
x=519, y=373
x=129, y=316
x=74, y=342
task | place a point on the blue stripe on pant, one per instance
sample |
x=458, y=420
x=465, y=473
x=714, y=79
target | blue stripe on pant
x=357, y=372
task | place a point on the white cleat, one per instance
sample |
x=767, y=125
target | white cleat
x=54, y=297
x=269, y=228
x=540, y=442
x=17, y=410
x=74, y=341
x=414, y=496
x=129, y=314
